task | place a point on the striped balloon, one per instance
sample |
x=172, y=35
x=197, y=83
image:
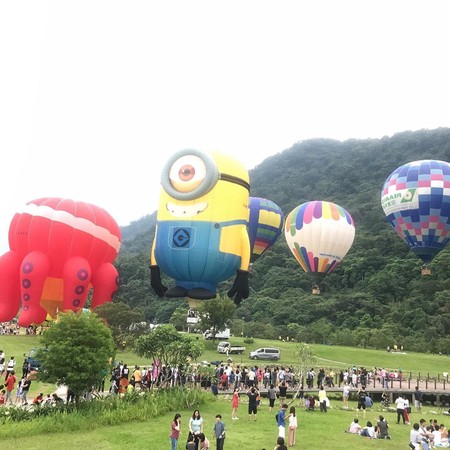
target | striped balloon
x=319, y=234
x=265, y=225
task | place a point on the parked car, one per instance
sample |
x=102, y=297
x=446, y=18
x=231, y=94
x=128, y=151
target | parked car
x=266, y=353
x=226, y=347
x=225, y=334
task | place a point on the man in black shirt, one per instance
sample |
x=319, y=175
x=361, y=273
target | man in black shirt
x=253, y=395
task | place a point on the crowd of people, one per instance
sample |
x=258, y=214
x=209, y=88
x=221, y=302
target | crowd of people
x=196, y=438
x=10, y=381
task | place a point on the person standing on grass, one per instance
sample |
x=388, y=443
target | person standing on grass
x=196, y=427
x=362, y=394
x=9, y=386
x=175, y=431
x=406, y=409
x=281, y=421
x=235, y=404
x=282, y=394
x=252, y=395
x=322, y=399
x=345, y=394
x=418, y=399
x=400, y=405
x=219, y=432
x=272, y=396
x=10, y=367
x=292, y=427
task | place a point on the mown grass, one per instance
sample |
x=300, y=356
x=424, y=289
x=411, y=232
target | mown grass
x=327, y=356
x=317, y=430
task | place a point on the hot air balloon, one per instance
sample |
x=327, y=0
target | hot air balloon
x=416, y=201
x=319, y=234
x=264, y=226
x=59, y=250
x=201, y=234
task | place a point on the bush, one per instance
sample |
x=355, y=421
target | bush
x=110, y=410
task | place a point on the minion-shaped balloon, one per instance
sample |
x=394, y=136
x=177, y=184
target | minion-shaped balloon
x=201, y=233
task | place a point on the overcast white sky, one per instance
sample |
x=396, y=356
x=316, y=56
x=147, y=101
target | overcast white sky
x=95, y=95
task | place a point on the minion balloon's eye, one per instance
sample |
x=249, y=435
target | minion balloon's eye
x=187, y=173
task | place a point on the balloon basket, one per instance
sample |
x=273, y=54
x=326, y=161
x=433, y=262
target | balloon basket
x=315, y=290
x=425, y=270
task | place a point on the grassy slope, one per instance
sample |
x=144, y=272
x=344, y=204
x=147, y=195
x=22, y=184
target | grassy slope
x=153, y=433
x=316, y=431
x=327, y=356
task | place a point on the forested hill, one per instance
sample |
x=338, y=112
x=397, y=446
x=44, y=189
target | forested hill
x=375, y=297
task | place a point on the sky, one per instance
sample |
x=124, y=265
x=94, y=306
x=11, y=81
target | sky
x=96, y=95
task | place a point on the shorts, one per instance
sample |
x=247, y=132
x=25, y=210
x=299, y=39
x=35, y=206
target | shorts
x=362, y=405
x=271, y=402
x=252, y=409
x=281, y=431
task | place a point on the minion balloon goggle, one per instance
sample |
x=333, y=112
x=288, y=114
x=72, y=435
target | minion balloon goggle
x=190, y=174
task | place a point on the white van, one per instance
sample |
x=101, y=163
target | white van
x=266, y=353
x=225, y=334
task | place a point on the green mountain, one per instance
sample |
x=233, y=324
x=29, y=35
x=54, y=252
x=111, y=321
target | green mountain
x=375, y=297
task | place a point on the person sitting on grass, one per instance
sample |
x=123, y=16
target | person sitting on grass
x=368, y=430
x=355, y=427
x=383, y=428
x=38, y=399
x=280, y=444
x=56, y=399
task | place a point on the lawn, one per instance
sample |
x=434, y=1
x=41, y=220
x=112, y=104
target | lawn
x=320, y=431
x=316, y=430
x=327, y=356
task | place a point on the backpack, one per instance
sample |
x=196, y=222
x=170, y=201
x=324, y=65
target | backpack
x=276, y=418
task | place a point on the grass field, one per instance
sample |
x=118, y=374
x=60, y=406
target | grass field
x=327, y=357
x=320, y=431
x=316, y=430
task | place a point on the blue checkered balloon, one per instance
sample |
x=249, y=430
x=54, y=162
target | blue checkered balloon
x=416, y=201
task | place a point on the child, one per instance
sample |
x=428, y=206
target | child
x=190, y=442
x=235, y=404
x=203, y=442
x=219, y=432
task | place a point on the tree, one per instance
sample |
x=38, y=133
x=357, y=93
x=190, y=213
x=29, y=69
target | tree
x=120, y=317
x=166, y=347
x=216, y=314
x=76, y=351
x=178, y=318
x=306, y=360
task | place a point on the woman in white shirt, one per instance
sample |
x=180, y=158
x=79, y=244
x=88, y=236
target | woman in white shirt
x=292, y=426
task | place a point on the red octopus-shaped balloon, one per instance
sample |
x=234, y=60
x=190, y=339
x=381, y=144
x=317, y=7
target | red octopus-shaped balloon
x=59, y=250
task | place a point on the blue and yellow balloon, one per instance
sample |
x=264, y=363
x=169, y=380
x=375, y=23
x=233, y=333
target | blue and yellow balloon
x=201, y=234
x=416, y=201
x=264, y=227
